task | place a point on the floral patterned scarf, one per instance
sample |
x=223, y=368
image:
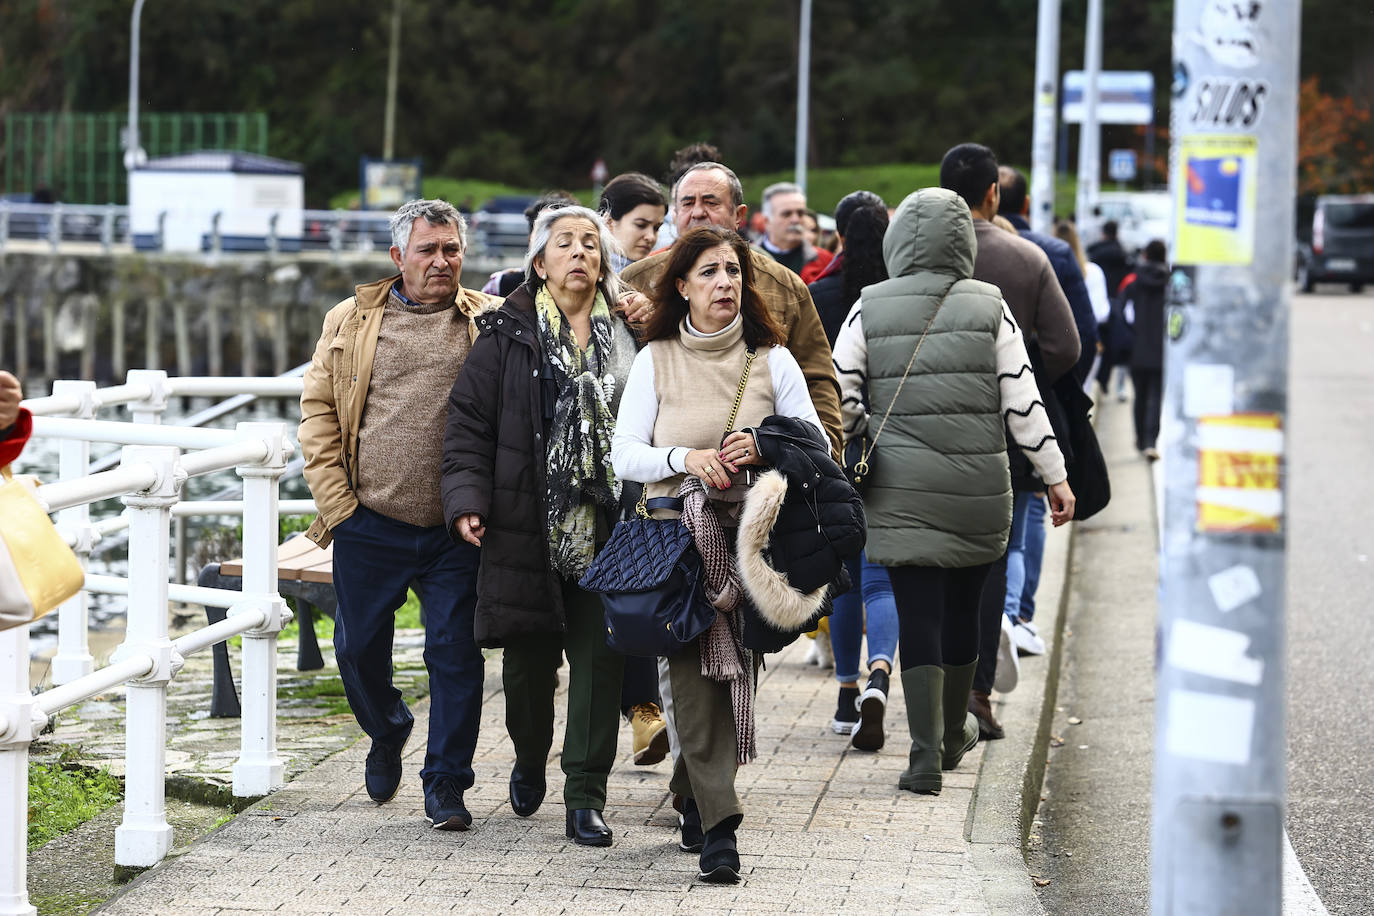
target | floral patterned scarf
x=580, y=478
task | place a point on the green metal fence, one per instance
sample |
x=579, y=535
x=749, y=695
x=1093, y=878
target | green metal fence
x=80, y=157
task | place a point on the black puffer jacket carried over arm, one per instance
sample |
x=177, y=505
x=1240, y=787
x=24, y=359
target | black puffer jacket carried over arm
x=821, y=523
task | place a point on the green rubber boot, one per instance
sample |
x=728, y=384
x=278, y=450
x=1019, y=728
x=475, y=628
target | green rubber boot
x=924, y=686
x=961, y=726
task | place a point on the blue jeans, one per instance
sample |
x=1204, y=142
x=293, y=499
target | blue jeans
x=1016, y=552
x=872, y=593
x=1034, y=555
x=376, y=559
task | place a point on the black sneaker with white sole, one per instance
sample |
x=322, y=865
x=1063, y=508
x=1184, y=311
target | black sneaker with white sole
x=846, y=711
x=444, y=808
x=867, y=733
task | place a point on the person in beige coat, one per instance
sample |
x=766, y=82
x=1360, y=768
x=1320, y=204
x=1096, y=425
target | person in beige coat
x=373, y=411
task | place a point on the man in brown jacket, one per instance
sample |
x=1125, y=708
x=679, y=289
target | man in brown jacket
x=373, y=413
x=710, y=193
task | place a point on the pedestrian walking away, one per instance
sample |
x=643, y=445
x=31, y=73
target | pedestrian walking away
x=713, y=363
x=1142, y=309
x=867, y=607
x=527, y=477
x=946, y=371
x=372, y=421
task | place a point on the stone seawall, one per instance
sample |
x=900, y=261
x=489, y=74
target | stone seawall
x=94, y=316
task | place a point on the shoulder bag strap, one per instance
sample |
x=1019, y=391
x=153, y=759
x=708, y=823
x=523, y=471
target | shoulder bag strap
x=642, y=510
x=873, y=440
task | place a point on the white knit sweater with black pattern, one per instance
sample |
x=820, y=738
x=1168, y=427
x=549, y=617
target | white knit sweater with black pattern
x=1022, y=408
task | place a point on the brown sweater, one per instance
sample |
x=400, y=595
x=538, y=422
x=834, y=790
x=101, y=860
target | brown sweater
x=420, y=349
x=1021, y=270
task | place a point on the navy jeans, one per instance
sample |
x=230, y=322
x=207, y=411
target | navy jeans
x=1034, y=554
x=376, y=559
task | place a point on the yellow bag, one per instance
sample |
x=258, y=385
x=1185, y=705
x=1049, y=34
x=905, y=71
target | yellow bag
x=38, y=571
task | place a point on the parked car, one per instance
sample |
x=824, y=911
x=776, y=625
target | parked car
x=1339, y=245
x=1140, y=216
x=499, y=226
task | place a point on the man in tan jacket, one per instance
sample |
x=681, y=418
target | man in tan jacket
x=373, y=413
x=709, y=193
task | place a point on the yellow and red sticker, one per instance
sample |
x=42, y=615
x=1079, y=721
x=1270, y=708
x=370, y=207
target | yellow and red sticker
x=1240, y=473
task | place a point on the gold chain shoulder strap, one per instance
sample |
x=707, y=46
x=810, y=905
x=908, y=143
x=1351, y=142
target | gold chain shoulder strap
x=749, y=355
x=862, y=466
x=642, y=509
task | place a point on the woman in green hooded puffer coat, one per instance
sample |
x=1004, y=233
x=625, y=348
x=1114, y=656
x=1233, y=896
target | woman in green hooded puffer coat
x=948, y=379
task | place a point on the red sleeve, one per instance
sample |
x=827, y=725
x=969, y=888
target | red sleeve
x=13, y=444
x=812, y=270
x=1125, y=282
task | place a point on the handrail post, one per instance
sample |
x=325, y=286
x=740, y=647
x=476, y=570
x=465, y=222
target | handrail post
x=273, y=243
x=144, y=836
x=16, y=732
x=4, y=224
x=216, y=241
x=150, y=409
x=73, y=658
x=55, y=226
x=160, y=241
x=259, y=769
x=107, y=228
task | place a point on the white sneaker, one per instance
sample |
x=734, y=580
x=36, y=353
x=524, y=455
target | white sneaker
x=1008, y=666
x=1026, y=642
x=824, y=650
x=1029, y=625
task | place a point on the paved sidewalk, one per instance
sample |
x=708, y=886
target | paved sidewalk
x=826, y=828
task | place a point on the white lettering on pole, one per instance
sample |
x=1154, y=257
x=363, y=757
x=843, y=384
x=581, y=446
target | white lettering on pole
x=1229, y=31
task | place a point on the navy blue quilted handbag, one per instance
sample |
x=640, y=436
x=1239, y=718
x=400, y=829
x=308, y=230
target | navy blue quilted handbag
x=651, y=582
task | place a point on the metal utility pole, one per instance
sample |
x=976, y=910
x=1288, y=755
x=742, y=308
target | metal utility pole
x=1089, y=132
x=133, y=153
x=392, y=68
x=1219, y=765
x=1046, y=100
x=803, y=91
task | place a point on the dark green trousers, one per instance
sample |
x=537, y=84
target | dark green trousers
x=528, y=670
x=705, y=721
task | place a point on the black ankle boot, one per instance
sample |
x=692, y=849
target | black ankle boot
x=527, y=787
x=586, y=828
x=720, y=856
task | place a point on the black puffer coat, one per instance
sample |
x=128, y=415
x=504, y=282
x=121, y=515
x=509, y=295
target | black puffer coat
x=494, y=467
x=821, y=522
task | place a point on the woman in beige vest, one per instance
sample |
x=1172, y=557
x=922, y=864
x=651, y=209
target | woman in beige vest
x=707, y=329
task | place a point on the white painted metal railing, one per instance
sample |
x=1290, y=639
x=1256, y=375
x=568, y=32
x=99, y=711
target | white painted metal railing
x=156, y=461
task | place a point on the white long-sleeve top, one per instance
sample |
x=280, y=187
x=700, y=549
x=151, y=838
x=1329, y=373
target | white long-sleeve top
x=634, y=457
x=1096, y=281
x=1022, y=408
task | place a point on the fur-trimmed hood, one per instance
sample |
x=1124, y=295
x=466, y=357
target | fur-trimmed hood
x=801, y=521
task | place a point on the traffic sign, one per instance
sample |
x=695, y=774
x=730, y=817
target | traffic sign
x=1121, y=165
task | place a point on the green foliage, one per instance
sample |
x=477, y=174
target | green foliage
x=62, y=796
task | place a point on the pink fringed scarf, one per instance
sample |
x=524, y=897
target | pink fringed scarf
x=723, y=656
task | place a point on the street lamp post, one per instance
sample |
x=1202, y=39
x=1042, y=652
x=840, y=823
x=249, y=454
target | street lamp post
x=133, y=153
x=1090, y=131
x=1046, y=100
x=803, y=91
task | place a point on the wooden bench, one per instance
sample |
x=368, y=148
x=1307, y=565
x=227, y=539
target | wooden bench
x=304, y=572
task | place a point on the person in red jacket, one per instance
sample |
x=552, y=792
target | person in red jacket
x=15, y=422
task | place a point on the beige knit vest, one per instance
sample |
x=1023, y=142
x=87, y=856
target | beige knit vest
x=696, y=379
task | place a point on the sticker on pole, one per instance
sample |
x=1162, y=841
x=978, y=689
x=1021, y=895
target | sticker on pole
x=1240, y=460
x=1215, y=204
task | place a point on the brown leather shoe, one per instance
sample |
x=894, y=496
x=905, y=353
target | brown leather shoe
x=980, y=704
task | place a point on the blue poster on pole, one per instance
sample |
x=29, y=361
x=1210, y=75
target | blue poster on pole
x=1213, y=196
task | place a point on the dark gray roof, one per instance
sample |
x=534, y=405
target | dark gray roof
x=211, y=160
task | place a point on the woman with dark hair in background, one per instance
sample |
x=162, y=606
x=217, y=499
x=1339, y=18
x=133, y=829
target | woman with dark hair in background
x=863, y=216
x=634, y=207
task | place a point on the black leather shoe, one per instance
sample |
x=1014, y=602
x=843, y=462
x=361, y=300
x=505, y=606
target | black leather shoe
x=719, y=862
x=693, y=837
x=586, y=828
x=527, y=789
x=382, y=772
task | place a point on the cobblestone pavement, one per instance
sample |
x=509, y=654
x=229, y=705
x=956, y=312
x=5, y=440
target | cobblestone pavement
x=825, y=829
